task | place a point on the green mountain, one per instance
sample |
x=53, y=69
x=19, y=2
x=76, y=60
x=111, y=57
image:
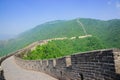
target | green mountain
x=106, y=31
x=60, y=48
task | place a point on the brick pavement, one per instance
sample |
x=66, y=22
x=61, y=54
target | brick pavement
x=13, y=72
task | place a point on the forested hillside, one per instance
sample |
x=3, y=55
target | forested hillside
x=106, y=31
x=60, y=48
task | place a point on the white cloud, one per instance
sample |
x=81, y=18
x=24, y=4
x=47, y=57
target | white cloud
x=117, y=4
x=109, y=2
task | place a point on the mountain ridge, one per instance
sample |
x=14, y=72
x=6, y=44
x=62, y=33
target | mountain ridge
x=107, y=31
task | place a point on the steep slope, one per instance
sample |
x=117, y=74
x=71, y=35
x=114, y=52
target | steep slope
x=107, y=31
x=59, y=48
x=113, y=37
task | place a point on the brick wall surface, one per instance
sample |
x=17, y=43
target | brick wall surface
x=2, y=59
x=94, y=65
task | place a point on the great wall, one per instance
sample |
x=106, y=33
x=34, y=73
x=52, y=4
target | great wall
x=92, y=65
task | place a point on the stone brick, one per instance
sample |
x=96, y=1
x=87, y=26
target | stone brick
x=93, y=65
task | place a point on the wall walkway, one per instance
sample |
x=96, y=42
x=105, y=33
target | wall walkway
x=94, y=65
x=14, y=72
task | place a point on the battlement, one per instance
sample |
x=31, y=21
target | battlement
x=92, y=65
x=97, y=65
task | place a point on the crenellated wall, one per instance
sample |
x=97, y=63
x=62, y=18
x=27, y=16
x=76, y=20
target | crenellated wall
x=7, y=56
x=94, y=65
x=1, y=60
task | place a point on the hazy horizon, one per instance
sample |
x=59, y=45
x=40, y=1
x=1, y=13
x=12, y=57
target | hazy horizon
x=20, y=15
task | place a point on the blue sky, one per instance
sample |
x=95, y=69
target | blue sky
x=17, y=16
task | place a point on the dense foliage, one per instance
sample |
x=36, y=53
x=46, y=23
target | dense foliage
x=107, y=31
x=59, y=48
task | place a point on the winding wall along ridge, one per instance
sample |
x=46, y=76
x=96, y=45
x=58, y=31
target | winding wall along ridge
x=94, y=65
x=1, y=60
x=31, y=46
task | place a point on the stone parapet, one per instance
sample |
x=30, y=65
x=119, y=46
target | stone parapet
x=93, y=65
